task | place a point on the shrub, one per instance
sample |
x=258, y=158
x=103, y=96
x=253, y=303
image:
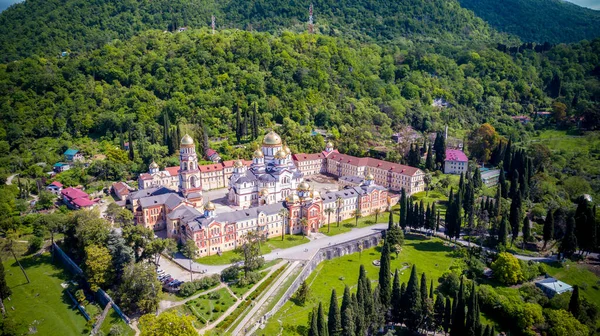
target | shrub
x=187, y=289
x=214, y=296
x=231, y=273
x=561, y=322
x=507, y=269
x=35, y=244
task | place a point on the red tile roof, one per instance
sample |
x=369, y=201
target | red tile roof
x=174, y=171
x=456, y=155
x=56, y=184
x=146, y=176
x=210, y=152
x=73, y=193
x=308, y=157
x=82, y=202
x=211, y=167
x=375, y=163
x=121, y=188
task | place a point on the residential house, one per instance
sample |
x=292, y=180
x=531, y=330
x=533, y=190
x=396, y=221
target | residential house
x=552, y=287
x=55, y=188
x=60, y=167
x=76, y=199
x=490, y=177
x=72, y=155
x=213, y=156
x=456, y=162
x=120, y=190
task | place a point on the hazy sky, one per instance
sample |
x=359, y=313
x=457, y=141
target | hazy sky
x=6, y=3
x=593, y=4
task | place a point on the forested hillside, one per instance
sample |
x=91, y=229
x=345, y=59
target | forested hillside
x=553, y=21
x=155, y=80
x=49, y=27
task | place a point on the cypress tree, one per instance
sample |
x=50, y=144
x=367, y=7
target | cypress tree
x=508, y=156
x=447, y=315
x=423, y=288
x=391, y=219
x=473, y=324
x=440, y=150
x=365, y=298
x=431, y=290
x=131, y=151
x=523, y=185
x=385, y=291
x=321, y=324
x=492, y=332
x=438, y=312
x=503, y=231
x=238, y=123
x=396, y=312
x=402, y=298
x=515, y=216
x=498, y=202
x=334, y=318
x=380, y=315
x=403, y=209
x=526, y=230
x=347, y=314
x=548, y=227
x=429, y=164
x=413, y=302
x=461, y=185
x=359, y=317
x=487, y=330
x=255, y=121
x=313, y=329
x=502, y=184
x=514, y=185
x=575, y=303
x=457, y=215
x=477, y=182
x=458, y=320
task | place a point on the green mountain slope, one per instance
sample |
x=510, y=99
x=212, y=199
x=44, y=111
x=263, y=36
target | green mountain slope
x=551, y=21
x=51, y=26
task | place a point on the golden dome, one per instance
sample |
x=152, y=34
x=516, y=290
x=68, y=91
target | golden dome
x=263, y=192
x=369, y=177
x=187, y=140
x=292, y=198
x=272, y=139
x=238, y=163
x=258, y=154
x=210, y=206
x=280, y=154
x=153, y=165
x=304, y=186
x=329, y=144
x=315, y=195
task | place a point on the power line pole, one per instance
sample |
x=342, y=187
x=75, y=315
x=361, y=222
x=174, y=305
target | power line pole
x=310, y=19
x=213, y=25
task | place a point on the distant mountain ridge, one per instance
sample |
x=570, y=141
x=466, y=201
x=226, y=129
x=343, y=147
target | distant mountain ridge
x=553, y=21
x=49, y=27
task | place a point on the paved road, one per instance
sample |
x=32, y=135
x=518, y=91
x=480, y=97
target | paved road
x=10, y=178
x=300, y=252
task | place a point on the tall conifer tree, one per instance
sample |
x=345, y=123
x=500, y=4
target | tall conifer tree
x=334, y=318
x=385, y=291
x=396, y=312
x=413, y=302
x=321, y=324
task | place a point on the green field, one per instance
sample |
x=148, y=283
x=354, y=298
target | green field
x=562, y=141
x=576, y=274
x=42, y=304
x=430, y=255
x=210, y=307
x=266, y=247
x=349, y=224
x=113, y=319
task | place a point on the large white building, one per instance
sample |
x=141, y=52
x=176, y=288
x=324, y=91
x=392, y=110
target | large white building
x=271, y=177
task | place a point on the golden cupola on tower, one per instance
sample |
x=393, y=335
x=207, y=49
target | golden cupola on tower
x=272, y=139
x=187, y=141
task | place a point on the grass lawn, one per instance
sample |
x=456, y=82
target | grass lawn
x=577, y=274
x=210, y=307
x=430, y=256
x=225, y=257
x=561, y=141
x=349, y=224
x=42, y=304
x=113, y=319
x=288, y=241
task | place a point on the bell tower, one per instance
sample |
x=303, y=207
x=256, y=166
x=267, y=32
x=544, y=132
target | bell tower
x=189, y=174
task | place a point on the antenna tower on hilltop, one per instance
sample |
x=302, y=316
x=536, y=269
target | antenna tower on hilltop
x=310, y=19
x=213, y=25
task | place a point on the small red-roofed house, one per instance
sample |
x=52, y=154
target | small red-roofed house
x=55, y=188
x=76, y=198
x=456, y=162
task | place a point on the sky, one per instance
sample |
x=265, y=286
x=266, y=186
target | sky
x=5, y=3
x=593, y=4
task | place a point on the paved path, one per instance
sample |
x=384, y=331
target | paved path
x=300, y=252
x=10, y=178
x=252, y=314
